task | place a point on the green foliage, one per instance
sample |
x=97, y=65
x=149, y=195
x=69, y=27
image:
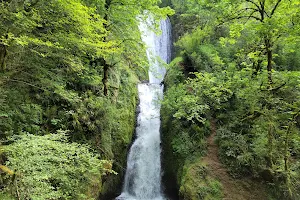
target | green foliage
x=203, y=55
x=57, y=58
x=54, y=168
x=5, y=196
x=225, y=70
x=259, y=131
x=199, y=97
x=196, y=184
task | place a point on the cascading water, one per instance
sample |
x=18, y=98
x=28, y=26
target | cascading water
x=143, y=173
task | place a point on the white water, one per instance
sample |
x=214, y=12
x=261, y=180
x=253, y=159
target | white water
x=143, y=173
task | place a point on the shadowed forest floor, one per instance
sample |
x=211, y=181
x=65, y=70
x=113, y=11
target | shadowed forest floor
x=233, y=189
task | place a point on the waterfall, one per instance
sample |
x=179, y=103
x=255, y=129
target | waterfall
x=143, y=172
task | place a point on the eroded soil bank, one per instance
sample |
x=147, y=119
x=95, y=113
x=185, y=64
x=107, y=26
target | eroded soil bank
x=233, y=189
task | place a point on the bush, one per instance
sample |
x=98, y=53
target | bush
x=196, y=184
x=48, y=167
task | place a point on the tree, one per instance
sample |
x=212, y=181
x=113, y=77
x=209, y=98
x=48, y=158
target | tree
x=273, y=21
x=58, y=26
x=122, y=20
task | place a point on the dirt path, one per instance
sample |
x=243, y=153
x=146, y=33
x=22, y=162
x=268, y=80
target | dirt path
x=233, y=189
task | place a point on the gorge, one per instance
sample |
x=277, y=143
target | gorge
x=143, y=173
x=88, y=110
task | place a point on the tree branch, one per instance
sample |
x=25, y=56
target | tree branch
x=267, y=14
x=239, y=17
x=129, y=39
x=262, y=9
x=257, y=6
x=275, y=7
x=251, y=16
x=273, y=89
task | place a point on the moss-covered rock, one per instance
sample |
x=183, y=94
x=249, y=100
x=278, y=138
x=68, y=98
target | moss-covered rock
x=121, y=127
x=182, y=143
x=196, y=184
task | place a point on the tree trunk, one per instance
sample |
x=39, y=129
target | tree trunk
x=105, y=78
x=104, y=63
x=3, y=55
x=286, y=149
x=270, y=148
x=257, y=66
x=269, y=59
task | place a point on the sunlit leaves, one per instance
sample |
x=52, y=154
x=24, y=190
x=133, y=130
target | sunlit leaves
x=198, y=97
x=48, y=167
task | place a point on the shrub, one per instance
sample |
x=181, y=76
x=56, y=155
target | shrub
x=48, y=167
